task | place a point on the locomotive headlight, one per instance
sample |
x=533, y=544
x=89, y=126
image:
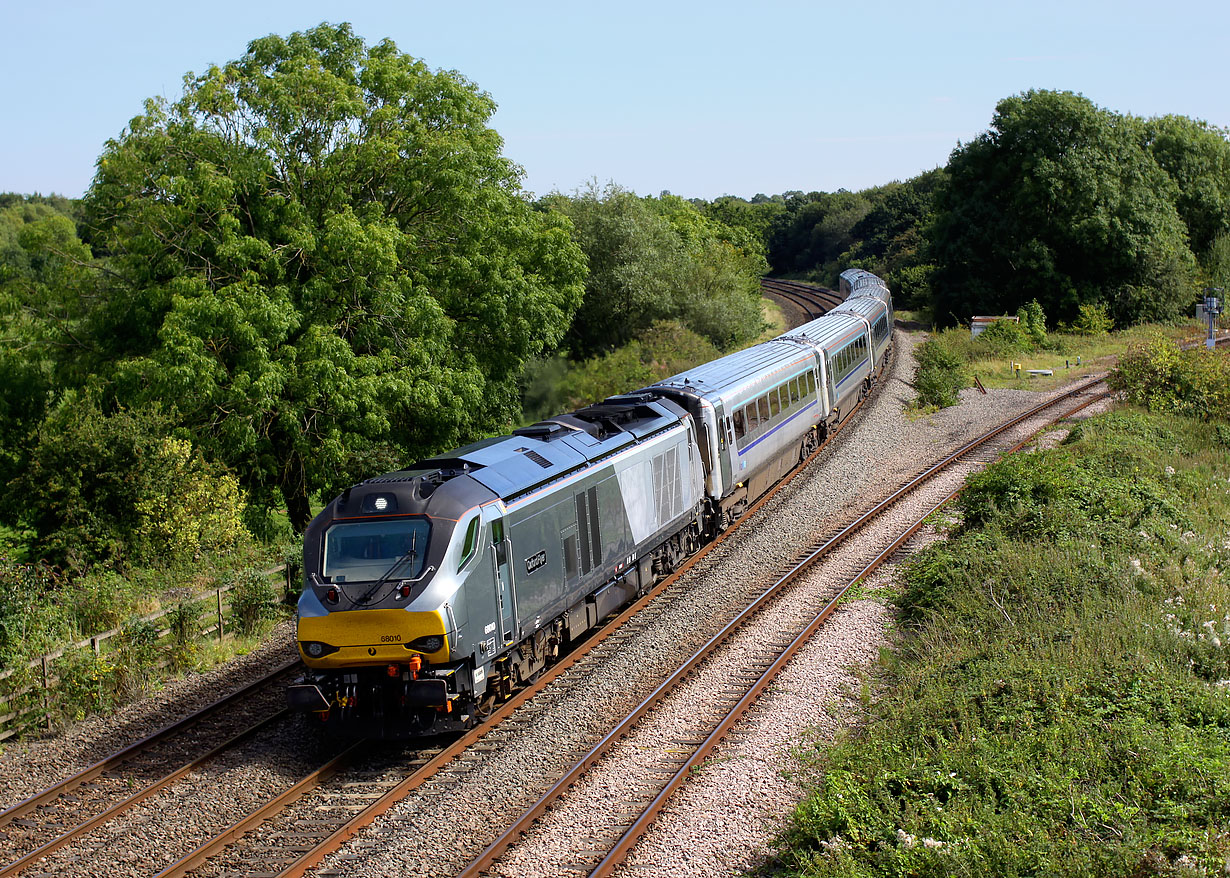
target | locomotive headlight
x=316, y=649
x=431, y=643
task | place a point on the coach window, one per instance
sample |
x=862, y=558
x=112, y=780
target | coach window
x=753, y=417
x=763, y=404
x=739, y=428
x=774, y=406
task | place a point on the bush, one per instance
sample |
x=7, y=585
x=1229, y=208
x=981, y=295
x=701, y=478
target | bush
x=1159, y=375
x=941, y=374
x=1093, y=319
x=31, y=620
x=183, y=647
x=253, y=601
x=1005, y=337
x=113, y=489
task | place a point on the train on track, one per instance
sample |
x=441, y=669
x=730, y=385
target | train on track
x=432, y=593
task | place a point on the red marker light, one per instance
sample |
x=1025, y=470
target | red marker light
x=331, y=595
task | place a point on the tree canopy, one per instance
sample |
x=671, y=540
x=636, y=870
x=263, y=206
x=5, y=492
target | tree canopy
x=321, y=258
x=1060, y=202
x=653, y=259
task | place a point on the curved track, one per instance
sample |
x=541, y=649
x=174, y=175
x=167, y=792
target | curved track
x=738, y=673
x=801, y=302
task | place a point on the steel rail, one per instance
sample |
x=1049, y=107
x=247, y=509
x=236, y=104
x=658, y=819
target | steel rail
x=619, y=852
x=137, y=798
x=275, y=805
x=492, y=852
x=98, y=768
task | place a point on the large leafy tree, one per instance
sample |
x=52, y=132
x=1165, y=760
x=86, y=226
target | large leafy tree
x=1059, y=202
x=46, y=278
x=321, y=258
x=653, y=259
x=1197, y=157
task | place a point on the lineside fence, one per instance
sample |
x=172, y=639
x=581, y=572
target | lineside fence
x=28, y=692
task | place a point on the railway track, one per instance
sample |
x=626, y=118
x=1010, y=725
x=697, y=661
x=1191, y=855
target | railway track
x=64, y=813
x=292, y=833
x=806, y=301
x=614, y=793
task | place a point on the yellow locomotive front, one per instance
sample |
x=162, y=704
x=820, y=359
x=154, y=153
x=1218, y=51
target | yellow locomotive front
x=381, y=610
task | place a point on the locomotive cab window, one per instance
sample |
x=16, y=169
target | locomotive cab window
x=364, y=551
x=471, y=544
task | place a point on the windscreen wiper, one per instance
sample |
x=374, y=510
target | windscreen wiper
x=409, y=555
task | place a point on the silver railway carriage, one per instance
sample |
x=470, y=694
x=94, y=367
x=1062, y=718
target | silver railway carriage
x=432, y=592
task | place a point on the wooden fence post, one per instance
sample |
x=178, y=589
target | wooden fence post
x=219, y=615
x=47, y=689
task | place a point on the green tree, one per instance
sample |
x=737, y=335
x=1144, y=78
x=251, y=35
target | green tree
x=816, y=229
x=45, y=277
x=632, y=254
x=653, y=259
x=323, y=260
x=115, y=489
x=1059, y=202
x=1197, y=158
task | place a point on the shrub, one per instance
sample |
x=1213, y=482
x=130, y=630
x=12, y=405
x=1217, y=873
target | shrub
x=1093, y=319
x=1033, y=321
x=184, y=621
x=940, y=375
x=113, y=489
x=31, y=621
x=135, y=656
x=253, y=601
x=1005, y=337
x=1159, y=375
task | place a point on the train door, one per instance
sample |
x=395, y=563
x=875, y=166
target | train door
x=505, y=588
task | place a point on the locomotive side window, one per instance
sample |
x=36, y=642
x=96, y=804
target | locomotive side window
x=470, y=546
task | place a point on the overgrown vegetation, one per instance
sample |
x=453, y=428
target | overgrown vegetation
x=1060, y=701
x=1160, y=375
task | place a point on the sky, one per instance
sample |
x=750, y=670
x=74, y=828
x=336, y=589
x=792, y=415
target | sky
x=701, y=99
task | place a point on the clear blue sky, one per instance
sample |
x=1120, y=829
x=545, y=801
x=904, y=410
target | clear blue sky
x=700, y=98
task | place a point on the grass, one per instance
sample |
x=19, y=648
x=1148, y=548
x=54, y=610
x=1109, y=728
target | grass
x=1070, y=357
x=1060, y=701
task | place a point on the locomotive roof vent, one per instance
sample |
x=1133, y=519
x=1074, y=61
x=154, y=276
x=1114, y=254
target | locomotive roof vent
x=535, y=456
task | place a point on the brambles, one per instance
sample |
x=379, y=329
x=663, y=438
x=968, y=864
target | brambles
x=1060, y=703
